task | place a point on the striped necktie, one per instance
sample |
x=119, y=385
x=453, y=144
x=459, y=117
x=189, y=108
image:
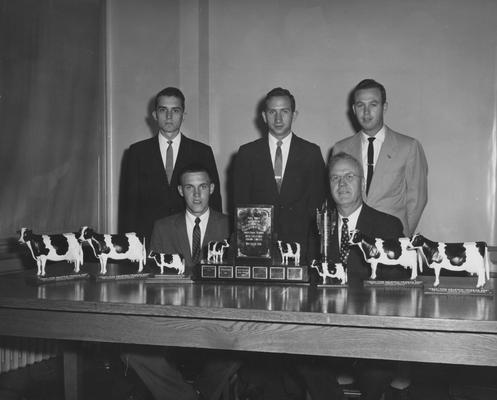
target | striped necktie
x=278, y=165
x=169, y=161
x=370, y=163
x=196, y=242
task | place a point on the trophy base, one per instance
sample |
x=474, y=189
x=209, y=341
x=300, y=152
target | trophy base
x=332, y=285
x=289, y=274
x=122, y=277
x=169, y=278
x=459, y=291
x=397, y=284
x=41, y=280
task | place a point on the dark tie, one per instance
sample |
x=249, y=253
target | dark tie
x=169, y=161
x=344, y=245
x=370, y=163
x=196, y=242
x=278, y=165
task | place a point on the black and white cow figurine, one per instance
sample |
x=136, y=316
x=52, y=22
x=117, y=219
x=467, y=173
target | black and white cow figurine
x=324, y=271
x=59, y=247
x=163, y=260
x=126, y=246
x=215, y=250
x=386, y=251
x=289, y=250
x=471, y=257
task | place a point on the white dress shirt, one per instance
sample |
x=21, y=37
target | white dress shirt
x=285, y=149
x=377, y=143
x=190, y=224
x=163, y=145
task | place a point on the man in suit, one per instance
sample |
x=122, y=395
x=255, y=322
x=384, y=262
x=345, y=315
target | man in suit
x=347, y=185
x=285, y=171
x=151, y=171
x=185, y=233
x=395, y=164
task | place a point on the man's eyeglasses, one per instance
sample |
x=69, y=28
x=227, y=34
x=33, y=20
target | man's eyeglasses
x=347, y=177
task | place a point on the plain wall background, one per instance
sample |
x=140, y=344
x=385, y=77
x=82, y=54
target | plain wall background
x=436, y=58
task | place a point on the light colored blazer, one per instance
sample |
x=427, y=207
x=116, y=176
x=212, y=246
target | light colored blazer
x=399, y=186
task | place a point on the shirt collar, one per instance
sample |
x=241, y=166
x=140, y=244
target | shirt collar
x=286, y=141
x=175, y=142
x=352, y=218
x=379, y=137
x=203, y=218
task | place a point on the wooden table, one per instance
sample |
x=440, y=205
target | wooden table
x=380, y=323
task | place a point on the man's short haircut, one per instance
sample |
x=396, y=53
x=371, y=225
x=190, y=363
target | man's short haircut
x=193, y=168
x=280, y=92
x=344, y=157
x=372, y=84
x=171, y=92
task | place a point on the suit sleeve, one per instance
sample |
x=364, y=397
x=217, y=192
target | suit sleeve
x=215, y=200
x=129, y=192
x=417, y=186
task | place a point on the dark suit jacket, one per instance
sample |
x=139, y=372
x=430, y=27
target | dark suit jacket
x=146, y=194
x=170, y=236
x=302, y=191
x=375, y=224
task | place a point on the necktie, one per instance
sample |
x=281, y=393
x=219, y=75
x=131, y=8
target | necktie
x=344, y=245
x=370, y=163
x=169, y=161
x=278, y=165
x=196, y=242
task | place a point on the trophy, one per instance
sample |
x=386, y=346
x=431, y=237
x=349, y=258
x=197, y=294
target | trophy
x=326, y=220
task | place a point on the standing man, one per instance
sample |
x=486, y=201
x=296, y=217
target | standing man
x=178, y=234
x=151, y=174
x=395, y=164
x=283, y=170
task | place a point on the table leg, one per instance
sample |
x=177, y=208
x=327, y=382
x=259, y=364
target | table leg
x=72, y=373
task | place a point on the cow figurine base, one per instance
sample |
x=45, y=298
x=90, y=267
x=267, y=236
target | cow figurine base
x=42, y=280
x=172, y=268
x=332, y=275
x=393, y=283
x=120, y=277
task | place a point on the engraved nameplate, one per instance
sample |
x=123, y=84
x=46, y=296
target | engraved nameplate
x=259, y=272
x=208, y=271
x=294, y=273
x=459, y=291
x=242, y=272
x=225, y=271
x=277, y=273
x=404, y=283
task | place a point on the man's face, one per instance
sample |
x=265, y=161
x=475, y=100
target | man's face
x=278, y=116
x=369, y=110
x=169, y=115
x=346, y=186
x=196, y=188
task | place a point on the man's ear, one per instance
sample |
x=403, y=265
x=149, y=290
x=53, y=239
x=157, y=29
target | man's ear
x=263, y=114
x=294, y=115
x=180, y=190
x=211, y=188
x=353, y=109
x=385, y=107
x=154, y=114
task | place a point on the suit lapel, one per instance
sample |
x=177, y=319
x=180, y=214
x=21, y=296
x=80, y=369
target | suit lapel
x=156, y=159
x=183, y=241
x=383, y=164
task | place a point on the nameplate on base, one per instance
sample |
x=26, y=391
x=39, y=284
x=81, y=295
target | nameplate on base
x=393, y=283
x=459, y=291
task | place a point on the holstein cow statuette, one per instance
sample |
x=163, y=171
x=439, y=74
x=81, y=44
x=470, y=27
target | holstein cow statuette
x=324, y=271
x=471, y=257
x=59, y=247
x=215, y=251
x=387, y=252
x=163, y=260
x=289, y=250
x=126, y=246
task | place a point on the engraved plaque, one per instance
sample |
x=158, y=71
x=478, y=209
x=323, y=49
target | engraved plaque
x=277, y=273
x=259, y=272
x=294, y=273
x=225, y=271
x=254, y=233
x=242, y=272
x=208, y=271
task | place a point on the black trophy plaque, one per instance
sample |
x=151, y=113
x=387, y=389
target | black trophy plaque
x=254, y=234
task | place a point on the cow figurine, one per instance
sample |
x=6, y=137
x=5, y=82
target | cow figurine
x=126, y=246
x=59, y=247
x=215, y=250
x=471, y=257
x=324, y=271
x=289, y=250
x=386, y=251
x=163, y=260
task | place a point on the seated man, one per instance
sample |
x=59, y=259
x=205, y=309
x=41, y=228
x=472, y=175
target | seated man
x=185, y=233
x=346, y=183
